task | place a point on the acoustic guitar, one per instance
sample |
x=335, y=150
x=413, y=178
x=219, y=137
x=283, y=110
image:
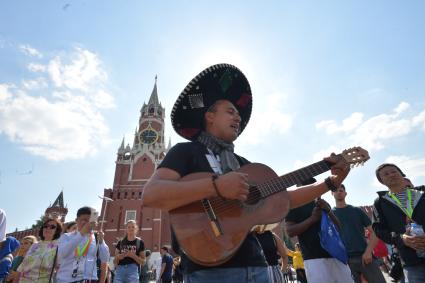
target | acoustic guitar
x=210, y=231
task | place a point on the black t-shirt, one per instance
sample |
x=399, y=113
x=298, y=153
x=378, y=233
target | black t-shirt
x=124, y=245
x=309, y=240
x=190, y=157
x=268, y=243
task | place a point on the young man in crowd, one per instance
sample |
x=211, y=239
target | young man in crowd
x=304, y=222
x=354, y=221
x=211, y=112
x=78, y=251
x=399, y=218
x=166, y=273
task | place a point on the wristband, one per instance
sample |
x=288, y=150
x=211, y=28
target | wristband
x=330, y=184
x=213, y=178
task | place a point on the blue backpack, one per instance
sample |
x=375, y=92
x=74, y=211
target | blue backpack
x=330, y=240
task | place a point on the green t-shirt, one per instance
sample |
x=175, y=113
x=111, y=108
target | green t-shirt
x=353, y=221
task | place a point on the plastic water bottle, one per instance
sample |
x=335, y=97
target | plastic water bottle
x=417, y=230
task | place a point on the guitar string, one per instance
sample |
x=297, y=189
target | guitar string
x=219, y=205
x=270, y=187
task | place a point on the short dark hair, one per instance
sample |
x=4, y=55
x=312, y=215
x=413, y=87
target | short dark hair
x=58, y=231
x=382, y=166
x=85, y=210
x=69, y=225
x=164, y=248
x=342, y=186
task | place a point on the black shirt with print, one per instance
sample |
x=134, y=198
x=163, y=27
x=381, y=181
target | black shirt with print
x=125, y=245
x=190, y=157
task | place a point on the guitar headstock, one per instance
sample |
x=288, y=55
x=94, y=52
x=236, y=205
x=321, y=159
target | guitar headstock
x=355, y=156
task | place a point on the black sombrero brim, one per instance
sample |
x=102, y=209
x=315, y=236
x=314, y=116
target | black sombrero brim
x=218, y=82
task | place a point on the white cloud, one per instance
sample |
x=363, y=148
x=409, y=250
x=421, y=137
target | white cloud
x=348, y=124
x=30, y=51
x=34, y=67
x=103, y=99
x=4, y=92
x=65, y=128
x=264, y=126
x=374, y=132
x=34, y=84
x=82, y=70
x=413, y=168
x=419, y=120
x=403, y=106
x=65, y=121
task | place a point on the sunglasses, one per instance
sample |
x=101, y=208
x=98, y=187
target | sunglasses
x=47, y=226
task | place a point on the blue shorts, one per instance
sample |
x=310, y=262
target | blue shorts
x=250, y=274
x=128, y=273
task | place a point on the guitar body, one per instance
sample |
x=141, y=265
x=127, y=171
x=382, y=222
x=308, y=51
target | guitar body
x=195, y=233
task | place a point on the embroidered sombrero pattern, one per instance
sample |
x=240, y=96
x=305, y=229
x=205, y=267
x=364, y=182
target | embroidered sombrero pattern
x=221, y=81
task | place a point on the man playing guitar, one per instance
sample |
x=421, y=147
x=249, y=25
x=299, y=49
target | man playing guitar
x=211, y=112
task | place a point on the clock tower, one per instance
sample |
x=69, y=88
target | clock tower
x=134, y=166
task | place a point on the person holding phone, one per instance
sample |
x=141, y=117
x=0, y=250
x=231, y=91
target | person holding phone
x=78, y=251
x=129, y=255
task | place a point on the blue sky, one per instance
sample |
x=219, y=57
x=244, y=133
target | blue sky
x=325, y=75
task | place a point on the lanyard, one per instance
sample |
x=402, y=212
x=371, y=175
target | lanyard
x=409, y=209
x=78, y=252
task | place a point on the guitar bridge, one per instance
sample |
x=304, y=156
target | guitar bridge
x=215, y=224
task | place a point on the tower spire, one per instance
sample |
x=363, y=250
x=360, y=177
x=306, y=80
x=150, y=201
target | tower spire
x=59, y=201
x=154, y=96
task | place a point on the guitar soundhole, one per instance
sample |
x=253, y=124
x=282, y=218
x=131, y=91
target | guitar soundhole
x=254, y=195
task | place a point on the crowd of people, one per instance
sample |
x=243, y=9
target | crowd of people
x=78, y=253
x=338, y=244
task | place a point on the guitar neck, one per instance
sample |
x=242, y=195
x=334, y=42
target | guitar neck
x=296, y=177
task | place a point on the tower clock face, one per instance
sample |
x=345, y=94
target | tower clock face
x=148, y=136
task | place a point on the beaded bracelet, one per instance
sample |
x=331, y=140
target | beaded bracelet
x=330, y=184
x=213, y=178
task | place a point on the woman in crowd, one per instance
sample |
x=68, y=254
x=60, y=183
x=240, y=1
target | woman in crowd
x=26, y=244
x=129, y=255
x=39, y=262
x=273, y=248
x=298, y=263
x=145, y=273
x=177, y=270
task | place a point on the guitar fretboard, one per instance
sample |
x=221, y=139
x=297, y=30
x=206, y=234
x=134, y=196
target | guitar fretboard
x=296, y=177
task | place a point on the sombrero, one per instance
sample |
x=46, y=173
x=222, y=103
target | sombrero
x=218, y=82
